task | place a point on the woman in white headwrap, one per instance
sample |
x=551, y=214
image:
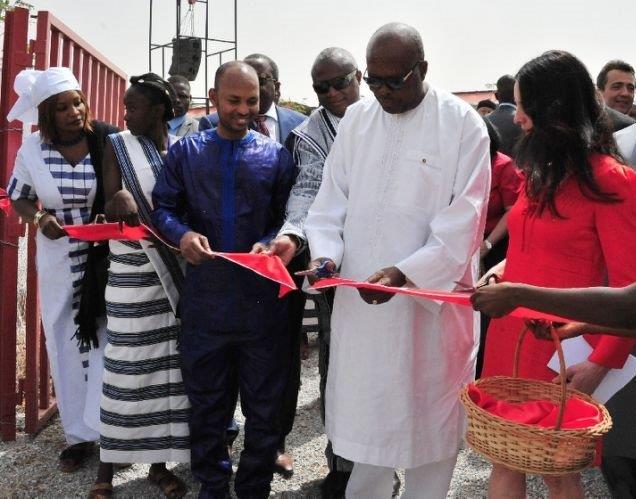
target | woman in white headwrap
x=57, y=181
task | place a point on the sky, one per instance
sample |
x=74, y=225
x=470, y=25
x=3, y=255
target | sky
x=468, y=43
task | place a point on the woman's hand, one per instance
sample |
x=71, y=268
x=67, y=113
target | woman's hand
x=51, y=228
x=584, y=376
x=122, y=208
x=493, y=275
x=484, y=249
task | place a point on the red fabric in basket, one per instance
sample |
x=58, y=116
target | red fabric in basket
x=578, y=413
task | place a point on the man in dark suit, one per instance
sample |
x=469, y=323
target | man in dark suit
x=503, y=117
x=618, y=120
x=274, y=121
x=182, y=124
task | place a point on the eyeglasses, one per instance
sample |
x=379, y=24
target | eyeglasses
x=392, y=83
x=338, y=83
x=262, y=80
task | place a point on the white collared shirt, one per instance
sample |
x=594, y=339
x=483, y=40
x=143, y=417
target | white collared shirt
x=271, y=121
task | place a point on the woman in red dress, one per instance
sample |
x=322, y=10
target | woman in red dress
x=573, y=225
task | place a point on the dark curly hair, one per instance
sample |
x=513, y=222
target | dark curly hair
x=569, y=123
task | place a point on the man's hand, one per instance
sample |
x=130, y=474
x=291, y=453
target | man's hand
x=584, y=376
x=495, y=300
x=284, y=247
x=195, y=248
x=390, y=276
x=122, y=208
x=51, y=228
x=310, y=273
x=259, y=248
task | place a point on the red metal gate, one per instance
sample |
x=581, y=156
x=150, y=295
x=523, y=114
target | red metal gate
x=104, y=84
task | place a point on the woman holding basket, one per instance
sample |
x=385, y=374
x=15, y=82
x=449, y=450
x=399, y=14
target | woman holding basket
x=573, y=225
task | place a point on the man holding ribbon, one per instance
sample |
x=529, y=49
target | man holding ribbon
x=225, y=189
x=404, y=190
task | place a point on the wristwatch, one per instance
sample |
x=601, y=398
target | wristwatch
x=38, y=216
x=488, y=244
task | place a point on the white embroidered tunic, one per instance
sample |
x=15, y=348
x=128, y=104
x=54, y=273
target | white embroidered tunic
x=406, y=190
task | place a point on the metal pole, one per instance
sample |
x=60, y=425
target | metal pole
x=150, y=40
x=235, y=30
x=178, y=46
x=205, y=53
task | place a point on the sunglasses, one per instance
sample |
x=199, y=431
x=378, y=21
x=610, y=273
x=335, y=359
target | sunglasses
x=338, y=83
x=392, y=83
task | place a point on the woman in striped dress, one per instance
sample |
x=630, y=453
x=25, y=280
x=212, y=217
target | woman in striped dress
x=56, y=181
x=144, y=409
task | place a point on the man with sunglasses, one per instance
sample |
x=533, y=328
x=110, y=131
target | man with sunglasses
x=273, y=121
x=336, y=81
x=404, y=190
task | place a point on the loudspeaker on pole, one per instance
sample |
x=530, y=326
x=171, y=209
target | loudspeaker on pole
x=186, y=57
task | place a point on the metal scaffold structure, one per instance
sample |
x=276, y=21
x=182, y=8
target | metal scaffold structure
x=193, y=29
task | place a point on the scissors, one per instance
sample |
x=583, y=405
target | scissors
x=321, y=272
x=469, y=288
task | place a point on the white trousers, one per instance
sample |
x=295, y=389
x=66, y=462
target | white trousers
x=430, y=481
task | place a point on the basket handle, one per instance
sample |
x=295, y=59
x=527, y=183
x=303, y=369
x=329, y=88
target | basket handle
x=559, y=350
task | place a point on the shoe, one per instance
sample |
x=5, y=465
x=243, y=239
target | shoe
x=72, y=458
x=396, y=485
x=334, y=485
x=284, y=465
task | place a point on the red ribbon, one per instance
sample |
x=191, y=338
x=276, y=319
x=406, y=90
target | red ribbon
x=104, y=232
x=5, y=202
x=456, y=297
x=268, y=266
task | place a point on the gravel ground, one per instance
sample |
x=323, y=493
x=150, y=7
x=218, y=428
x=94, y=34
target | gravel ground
x=28, y=466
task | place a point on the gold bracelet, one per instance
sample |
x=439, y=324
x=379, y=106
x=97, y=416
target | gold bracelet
x=38, y=216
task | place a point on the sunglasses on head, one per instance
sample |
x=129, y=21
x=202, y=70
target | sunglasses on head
x=338, y=83
x=392, y=83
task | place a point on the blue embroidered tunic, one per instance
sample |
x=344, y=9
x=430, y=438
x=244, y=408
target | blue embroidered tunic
x=234, y=193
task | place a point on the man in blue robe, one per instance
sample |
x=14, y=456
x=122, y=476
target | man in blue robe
x=225, y=190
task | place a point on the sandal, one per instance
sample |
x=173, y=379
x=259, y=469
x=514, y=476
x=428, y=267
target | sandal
x=169, y=483
x=102, y=490
x=72, y=458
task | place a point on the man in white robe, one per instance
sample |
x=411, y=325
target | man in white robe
x=404, y=190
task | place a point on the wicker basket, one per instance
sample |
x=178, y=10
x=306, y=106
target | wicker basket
x=528, y=448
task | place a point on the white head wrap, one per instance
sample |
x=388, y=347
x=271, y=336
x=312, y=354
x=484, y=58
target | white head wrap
x=34, y=87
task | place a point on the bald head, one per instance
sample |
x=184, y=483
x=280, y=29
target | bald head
x=396, y=67
x=234, y=70
x=396, y=38
x=334, y=56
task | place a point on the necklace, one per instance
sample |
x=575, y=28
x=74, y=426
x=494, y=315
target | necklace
x=69, y=143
